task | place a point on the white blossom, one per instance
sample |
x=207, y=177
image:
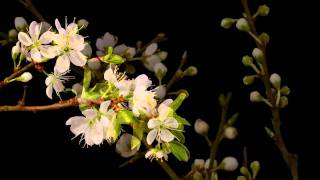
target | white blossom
x=157, y=154
x=118, y=80
x=55, y=82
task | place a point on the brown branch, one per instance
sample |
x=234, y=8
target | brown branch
x=24, y=95
x=16, y=74
x=216, y=142
x=290, y=159
x=60, y=105
x=30, y=6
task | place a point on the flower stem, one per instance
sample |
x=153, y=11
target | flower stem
x=290, y=159
x=216, y=142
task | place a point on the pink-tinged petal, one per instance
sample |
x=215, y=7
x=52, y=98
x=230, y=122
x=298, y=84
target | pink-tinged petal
x=78, y=124
x=46, y=37
x=152, y=123
x=142, y=81
x=121, y=49
x=151, y=136
x=109, y=40
x=151, y=61
x=77, y=58
x=25, y=39
x=100, y=53
x=49, y=91
x=59, y=28
x=104, y=106
x=34, y=30
x=171, y=123
x=166, y=135
x=96, y=134
x=36, y=55
x=87, y=137
x=100, y=44
x=62, y=64
x=151, y=49
x=49, y=80
x=72, y=29
x=89, y=113
x=58, y=86
x=77, y=42
x=49, y=52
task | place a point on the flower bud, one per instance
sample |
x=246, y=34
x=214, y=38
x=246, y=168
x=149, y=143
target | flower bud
x=283, y=102
x=247, y=60
x=151, y=49
x=264, y=37
x=227, y=22
x=15, y=51
x=241, y=178
x=206, y=165
x=185, y=55
x=247, y=80
x=87, y=50
x=77, y=88
x=269, y=132
x=197, y=176
x=82, y=23
x=244, y=171
x=275, y=80
x=160, y=91
x=230, y=132
x=255, y=96
x=255, y=167
x=198, y=164
x=242, y=25
x=229, y=164
x=162, y=55
x=190, y=71
x=160, y=70
x=45, y=26
x=285, y=90
x=94, y=63
x=257, y=54
x=263, y=10
x=201, y=127
x=20, y=23
x=130, y=52
x=123, y=146
x=12, y=34
x=25, y=77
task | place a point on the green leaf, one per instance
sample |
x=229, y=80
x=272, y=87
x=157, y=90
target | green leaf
x=86, y=80
x=178, y=101
x=233, y=119
x=135, y=143
x=179, y=151
x=138, y=129
x=179, y=135
x=181, y=120
x=126, y=117
x=112, y=58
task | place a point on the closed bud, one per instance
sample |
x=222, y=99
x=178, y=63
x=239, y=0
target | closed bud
x=257, y=54
x=82, y=23
x=242, y=25
x=255, y=96
x=12, y=34
x=160, y=70
x=227, y=22
x=263, y=10
x=25, y=77
x=241, y=178
x=45, y=26
x=275, y=80
x=162, y=55
x=94, y=63
x=244, y=171
x=285, y=90
x=77, y=88
x=283, y=102
x=230, y=132
x=247, y=80
x=229, y=164
x=190, y=71
x=201, y=127
x=255, y=167
x=264, y=37
x=269, y=132
x=20, y=23
x=185, y=55
x=160, y=91
x=15, y=51
x=198, y=164
x=87, y=50
x=247, y=60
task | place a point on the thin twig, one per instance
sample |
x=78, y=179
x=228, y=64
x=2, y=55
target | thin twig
x=290, y=159
x=177, y=75
x=30, y=6
x=216, y=142
x=22, y=102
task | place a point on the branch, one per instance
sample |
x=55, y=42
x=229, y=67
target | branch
x=16, y=74
x=177, y=75
x=60, y=105
x=216, y=142
x=290, y=159
x=29, y=5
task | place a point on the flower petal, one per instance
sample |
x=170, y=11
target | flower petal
x=59, y=28
x=104, y=106
x=100, y=44
x=166, y=135
x=49, y=91
x=96, y=134
x=89, y=113
x=109, y=40
x=35, y=55
x=77, y=42
x=152, y=136
x=171, y=123
x=58, y=86
x=77, y=58
x=110, y=76
x=151, y=49
x=72, y=29
x=24, y=38
x=142, y=81
x=78, y=124
x=120, y=49
x=152, y=123
x=49, y=51
x=46, y=37
x=34, y=30
x=62, y=64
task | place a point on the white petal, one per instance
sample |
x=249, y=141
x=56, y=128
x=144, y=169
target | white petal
x=121, y=49
x=87, y=137
x=62, y=64
x=77, y=58
x=151, y=136
x=78, y=124
x=34, y=30
x=142, y=81
x=100, y=44
x=171, y=123
x=49, y=91
x=72, y=29
x=104, y=120
x=77, y=42
x=104, y=106
x=151, y=49
x=110, y=76
x=24, y=39
x=166, y=103
x=152, y=123
x=49, y=80
x=151, y=61
x=36, y=55
x=100, y=53
x=89, y=113
x=46, y=37
x=49, y=51
x=166, y=135
x=109, y=40
x=96, y=134
x=58, y=86
x=58, y=26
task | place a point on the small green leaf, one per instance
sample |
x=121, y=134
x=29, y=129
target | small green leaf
x=233, y=119
x=179, y=151
x=112, y=58
x=179, y=135
x=138, y=129
x=178, y=101
x=86, y=80
x=135, y=143
x=181, y=120
x=126, y=117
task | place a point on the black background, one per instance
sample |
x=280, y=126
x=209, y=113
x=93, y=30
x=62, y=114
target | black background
x=39, y=144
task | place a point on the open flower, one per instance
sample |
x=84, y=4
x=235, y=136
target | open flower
x=69, y=44
x=157, y=154
x=108, y=117
x=37, y=45
x=143, y=101
x=161, y=125
x=152, y=57
x=118, y=80
x=55, y=82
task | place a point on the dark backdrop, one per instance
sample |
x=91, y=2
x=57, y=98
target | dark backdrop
x=39, y=144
